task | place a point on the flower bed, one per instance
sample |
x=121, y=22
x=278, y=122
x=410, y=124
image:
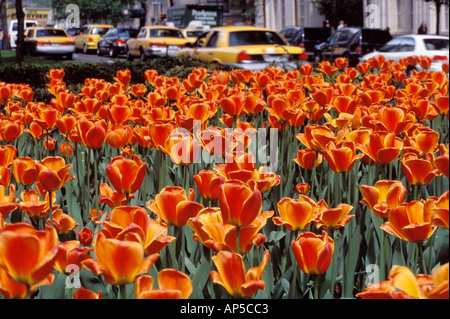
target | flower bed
x=327, y=182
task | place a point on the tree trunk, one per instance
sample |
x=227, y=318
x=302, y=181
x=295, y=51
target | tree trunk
x=6, y=45
x=20, y=30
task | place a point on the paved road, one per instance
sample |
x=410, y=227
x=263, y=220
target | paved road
x=80, y=57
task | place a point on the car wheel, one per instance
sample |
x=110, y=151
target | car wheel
x=143, y=57
x=112, y=52
x=69, y=56
x=85, y=50
x=129, y=56
x=99, y=51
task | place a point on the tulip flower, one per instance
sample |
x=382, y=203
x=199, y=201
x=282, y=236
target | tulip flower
x=181, y=148
x=126, y=175
x=12, y=290
x=33, y=205
x=62, y=222
x=316, y=137
x=172, y=284
x=382, y=148
x=5, y=176
x=119, y=261
x=7, y=155
x=205, y=216
x=239, y=204
x=307, y=158
x=70, y=253
x=111, y=197
x=133, y=223
x=296, y=214
x=439, y=208
x=231, y=274
x=403, y=284
x=333, y=218
x=85, y=236
x=173, y=206
x=83, y=293
x=208, y=183
x=26, y=254
x=93, y=134
x=53, y=173
x=7, y=202
x=418, y=171
x=313, y=252
x=383, y=196
x=341, y=159
x=410, y=222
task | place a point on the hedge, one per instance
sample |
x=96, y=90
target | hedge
x=76, y=73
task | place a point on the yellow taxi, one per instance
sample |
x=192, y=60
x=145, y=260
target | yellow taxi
x=48, y=41
x=87, y=39
x=156, y=41
x=191, y=34
x=246, y=47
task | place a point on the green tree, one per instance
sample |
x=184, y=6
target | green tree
x=93, y=11
x=438, y=4
x=334, y=10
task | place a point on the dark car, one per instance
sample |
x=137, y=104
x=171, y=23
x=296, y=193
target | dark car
x=114, y=42
x=306, y=37
x=352, y=43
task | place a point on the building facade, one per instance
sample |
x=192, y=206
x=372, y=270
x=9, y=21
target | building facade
x=400, y=16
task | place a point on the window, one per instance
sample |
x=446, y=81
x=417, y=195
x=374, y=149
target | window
x=50, y=33
x=165, y=33
x=143, y=33
x=254, y=38
x=99, y=30
x=437, y=44
x=212, y=42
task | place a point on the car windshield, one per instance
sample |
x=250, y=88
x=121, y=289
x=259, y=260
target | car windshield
x=254, y=38
x=99, y=30
x=127, y=33
x=193, y=34
x=50, y=33
x=436, y=44
x=165, y=33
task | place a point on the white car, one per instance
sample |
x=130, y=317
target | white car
x=434, y=46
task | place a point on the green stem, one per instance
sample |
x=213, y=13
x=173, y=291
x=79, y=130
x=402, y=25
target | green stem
x=28, y=291
x=316, y=287
x=122, y=292
x=96, y=181
x=174, y=248
x=332, y=267
x=385, y=245
x=421, y=257
x=50, y=213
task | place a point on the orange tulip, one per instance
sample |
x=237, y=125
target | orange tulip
x=382, y=147
x=126, y=175
x=12, y=290
x=442, y=164
x=111, y=197
x=119, y=136
x=10, y=130
x=7, y=202
x=53, y=173
x=308, y=158
x=5, y=176
x=410, y=222
x=62, y=222
x=233, y=105
x=439, y=208
x=33, y=205
x=281, y=108
x=296, y=214
x=345, y=104
x=173, y=206
x=26, y=254
x=70, y=253
x=7, y=155
x=239, y=204
x=316, y=137
x=208, y=183
x=222, y=237
x=231, y=274
x=133, y=223
x=83, y=293
x=383, y=196
x=93, y=134
x=313, y=252
x=85, y=236
x=172, y=284
x=341, y=63
x=418, y=171
x=119, y=261
x=66, y=149
x=181, y=148
x=327, y=68
x=333, y=218
x=341, y=159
